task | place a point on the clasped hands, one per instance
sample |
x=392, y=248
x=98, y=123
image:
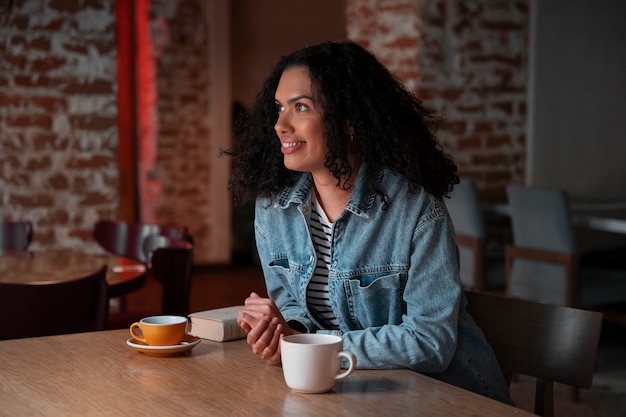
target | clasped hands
x=265, y=325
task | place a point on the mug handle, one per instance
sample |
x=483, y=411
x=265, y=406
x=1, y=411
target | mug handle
x=133, y=327
x=352, y=364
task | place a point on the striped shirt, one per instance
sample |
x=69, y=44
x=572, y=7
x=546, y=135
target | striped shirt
x=317, y=291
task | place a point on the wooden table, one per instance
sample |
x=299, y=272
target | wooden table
x=123, y=275
x=97, y=374
x=606, y=217
x=602, y=217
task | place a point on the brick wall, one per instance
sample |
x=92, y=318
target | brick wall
x=469, y=61
x=58, y=111
x=392, y=30
x=58, y=117
x=184, y=151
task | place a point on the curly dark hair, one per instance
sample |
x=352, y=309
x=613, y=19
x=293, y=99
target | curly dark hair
x=391, y=127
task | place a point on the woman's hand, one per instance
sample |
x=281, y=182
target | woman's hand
x=264, y=338
x=265, y=325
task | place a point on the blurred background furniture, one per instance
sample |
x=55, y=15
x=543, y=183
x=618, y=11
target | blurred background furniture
x=607, y=217
x=127, y=239
x=479, y=269
x=543, y=263
x=167, y=252
x=30, y=310
x=15, y=236
x=124, y=275
x=549, y=342
x=170, y=262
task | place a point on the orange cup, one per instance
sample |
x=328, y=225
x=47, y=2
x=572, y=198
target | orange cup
x=160, y=330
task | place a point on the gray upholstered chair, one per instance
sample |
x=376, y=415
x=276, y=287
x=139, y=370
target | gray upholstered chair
x=479, y=270
x=543, y=263
x=15, y=236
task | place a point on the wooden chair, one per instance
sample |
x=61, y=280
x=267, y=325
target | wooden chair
x=30, y=310
x=477, y=272
x=549, y=342
x=15, y=236
x=170, y=262
x=543, y=263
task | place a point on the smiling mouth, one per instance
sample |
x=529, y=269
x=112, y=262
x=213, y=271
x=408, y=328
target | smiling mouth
x=291, y=144
x=291, y=147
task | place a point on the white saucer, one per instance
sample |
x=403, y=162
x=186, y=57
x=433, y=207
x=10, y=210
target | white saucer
x=188, y=343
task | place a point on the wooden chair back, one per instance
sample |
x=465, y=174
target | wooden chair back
x=15, y=236
x=549, y=342
x=31, y=310
x=127, y=239
x=170, y=262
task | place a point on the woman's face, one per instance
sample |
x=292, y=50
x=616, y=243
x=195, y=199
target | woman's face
x=300, y=127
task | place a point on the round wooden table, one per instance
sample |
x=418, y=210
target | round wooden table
x=124, y=275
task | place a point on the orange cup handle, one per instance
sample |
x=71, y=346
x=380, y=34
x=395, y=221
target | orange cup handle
x=136, y=325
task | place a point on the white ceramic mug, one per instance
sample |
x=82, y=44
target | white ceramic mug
x=312, y=362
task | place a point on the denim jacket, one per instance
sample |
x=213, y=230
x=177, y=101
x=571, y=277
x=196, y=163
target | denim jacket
x=393, y=281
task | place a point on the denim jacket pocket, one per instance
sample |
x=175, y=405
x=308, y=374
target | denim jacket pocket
x=279, y=261
x=373, y=300
x=292, y=272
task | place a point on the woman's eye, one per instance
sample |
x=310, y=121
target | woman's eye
x=280, y=108
x=301, y=107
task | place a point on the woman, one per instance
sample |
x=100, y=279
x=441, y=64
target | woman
x=350, y=224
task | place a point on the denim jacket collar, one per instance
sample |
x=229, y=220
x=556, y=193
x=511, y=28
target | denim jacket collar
x=360, y=202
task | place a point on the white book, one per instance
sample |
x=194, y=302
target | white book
x=219, y=325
